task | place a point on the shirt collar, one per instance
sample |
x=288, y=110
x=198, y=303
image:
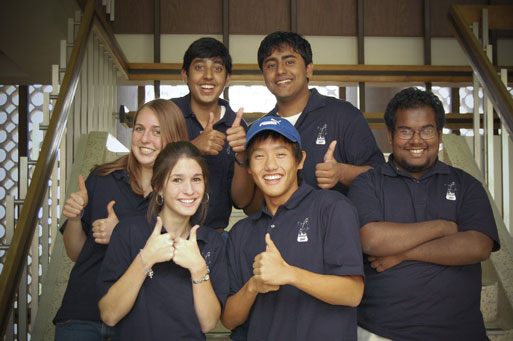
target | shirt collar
x=227, y=118
x=122, y=175
x=392, y=170
x=201, y=234
x=315, y=101
x=294, y=201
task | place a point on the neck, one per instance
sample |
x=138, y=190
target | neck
x=146, y=174
x=273, y=203
x=177, y=226
x=293, y=106
x=202, y=111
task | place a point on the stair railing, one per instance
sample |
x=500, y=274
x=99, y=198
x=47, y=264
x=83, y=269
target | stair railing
x=91, y=61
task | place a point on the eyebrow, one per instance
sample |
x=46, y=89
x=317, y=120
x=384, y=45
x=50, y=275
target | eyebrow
x=274, y=59
x=423, y=127
x=182, y=175
x=215, y=60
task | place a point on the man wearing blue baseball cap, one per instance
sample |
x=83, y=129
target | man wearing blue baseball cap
x=295, y=267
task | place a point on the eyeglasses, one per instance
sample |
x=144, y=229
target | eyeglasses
x=407, y=133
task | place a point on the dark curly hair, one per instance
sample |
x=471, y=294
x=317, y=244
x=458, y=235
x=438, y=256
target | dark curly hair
x=207, y=48
x=414, y=98
x=275, y=41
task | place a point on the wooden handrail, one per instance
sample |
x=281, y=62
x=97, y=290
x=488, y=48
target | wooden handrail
x=461, y=18
x=148, y=72
x=22, y=238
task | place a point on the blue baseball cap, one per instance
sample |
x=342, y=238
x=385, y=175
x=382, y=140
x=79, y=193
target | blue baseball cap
x=274, y=123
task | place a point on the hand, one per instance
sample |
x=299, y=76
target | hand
x=257, y=285
x=329, y=172
x=210, y=141
x=159, y=247
x=187, y=255
x=449, y=227
x=236, y=135
x=76, y=201
x=269, y=266
x=386, y=262
x=102, y=228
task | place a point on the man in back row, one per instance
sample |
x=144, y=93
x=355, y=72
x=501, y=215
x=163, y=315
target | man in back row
x=425, y=228
x=215, y=129
x=335, y=135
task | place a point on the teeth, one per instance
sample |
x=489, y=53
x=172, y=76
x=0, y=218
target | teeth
x=207, y=86
x=187, y=201
x=416, y=151
x=146, y=150
x=272, y=177
x=283, y=81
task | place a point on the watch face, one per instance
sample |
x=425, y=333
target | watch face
x=207, y=277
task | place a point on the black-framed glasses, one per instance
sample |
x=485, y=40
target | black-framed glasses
x=407, y=133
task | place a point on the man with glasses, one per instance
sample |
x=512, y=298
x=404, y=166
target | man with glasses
x=425, y=228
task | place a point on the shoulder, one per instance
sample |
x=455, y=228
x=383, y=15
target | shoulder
x=325, y=198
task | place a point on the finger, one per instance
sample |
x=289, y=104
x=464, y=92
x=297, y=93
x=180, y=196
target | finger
x=210, y=124
x=238, y=118
x=269, y=243
x=192, y=234
x=81, y=183
x=331, y=150
x=158, y=226
x=110, y=208
x=372, y=258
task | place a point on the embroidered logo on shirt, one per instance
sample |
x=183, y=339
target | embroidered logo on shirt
x=321, y=134
x=302, y=236
x=451, y=191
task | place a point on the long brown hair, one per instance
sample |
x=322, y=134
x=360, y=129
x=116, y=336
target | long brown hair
x=164, y=164
x=172, y=129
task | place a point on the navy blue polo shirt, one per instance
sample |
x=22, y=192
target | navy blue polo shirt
x=164, y=308
x=418, y=300
x=325, y=119
x=80, y=300
x=315, y=230
x=220, y=166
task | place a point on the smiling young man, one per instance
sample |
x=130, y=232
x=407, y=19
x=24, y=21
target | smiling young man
x=335, y=134
x=295, y=270
x=425, y=228
x=214, y=128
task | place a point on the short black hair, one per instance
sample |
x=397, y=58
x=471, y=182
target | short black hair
x=207, y=48
x=277, y=39
x=414, y=98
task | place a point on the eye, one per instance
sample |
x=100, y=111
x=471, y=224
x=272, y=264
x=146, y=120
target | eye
x=218, y=69
x=270, y=65
x=281, y=155
x=197, y=179
x=156, y=132
x=198, y=67
x=290, y=62
x=139, y=129
x=176, y=180
x=258, y=156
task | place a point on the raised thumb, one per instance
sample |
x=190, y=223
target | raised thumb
x=158, y=226
x=110, y=208
x=81, y=183
x=331, y=150
x=210, y=124
x=238, y=118
x=270, y=247
x=192, y=234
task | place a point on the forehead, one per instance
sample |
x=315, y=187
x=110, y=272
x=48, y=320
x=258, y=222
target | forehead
x=415, y=117
x=209, y=60
x=186, y=165
x=271, y=142
x=283, y=49
x=147, y=117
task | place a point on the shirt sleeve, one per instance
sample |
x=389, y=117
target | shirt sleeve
x=360, y=145
x=363, y=195
x=476, y=213
x=117, y=259
x=233, y=262
x=342, y=247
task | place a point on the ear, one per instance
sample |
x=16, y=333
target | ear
x=390, y=138
x=302, y=162
x=227, y=81
x=309, y=70
x=185, y=77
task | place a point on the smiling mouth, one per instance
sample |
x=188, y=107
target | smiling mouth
x=416, y=151
x=282, y=82
x=145, y=150
x=272, y=178
x=207, y=87
x=187, y=201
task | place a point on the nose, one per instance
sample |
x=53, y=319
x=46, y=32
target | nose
x=270, y=163
x=187, y=189
x=208, y=73
x=280, y=68
x=416, y=137
x=145, y=138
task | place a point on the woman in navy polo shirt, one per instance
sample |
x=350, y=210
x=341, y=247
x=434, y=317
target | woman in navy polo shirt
x=118, y=189
x=161, y=278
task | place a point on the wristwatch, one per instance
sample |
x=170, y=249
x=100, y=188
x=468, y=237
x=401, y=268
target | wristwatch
x=205, y=278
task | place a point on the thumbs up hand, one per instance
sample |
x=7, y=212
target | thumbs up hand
x=210, y=141
x=159, y=246
x=102, y=228
x=76, y=202
x=236, y=135
x=269, y=266
x=188, y=255
x=329, y=172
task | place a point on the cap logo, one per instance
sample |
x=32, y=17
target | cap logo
x=271, y=121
